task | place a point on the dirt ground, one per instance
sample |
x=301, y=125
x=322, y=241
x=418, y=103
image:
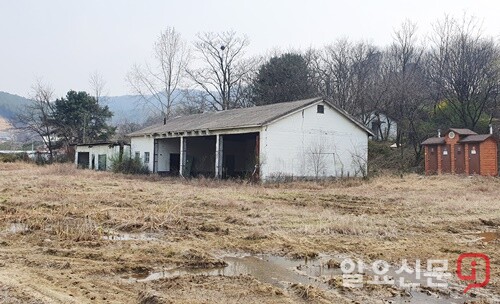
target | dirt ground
x=57, y=225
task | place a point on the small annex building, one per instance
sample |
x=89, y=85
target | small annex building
x=382, y=125
x=99, y=156
x=461, y=151
x=305, y=138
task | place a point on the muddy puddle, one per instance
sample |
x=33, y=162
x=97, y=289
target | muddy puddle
x=489, y=236
x=276, y=270
x=420, y=297
x=283, y=272
x=485, y=236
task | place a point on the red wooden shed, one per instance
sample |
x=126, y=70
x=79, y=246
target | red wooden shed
x=461, y=151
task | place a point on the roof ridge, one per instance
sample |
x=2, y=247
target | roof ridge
x=255, y=116
x=461, y=131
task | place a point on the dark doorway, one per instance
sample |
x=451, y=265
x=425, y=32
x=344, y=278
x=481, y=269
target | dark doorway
x=175, y=161
x=241, y=156
x=446, y=159
x=459, y=159
x=200, y=156
x=433, y=160
x=474, y=159
x=230, y=166
x=83, y=160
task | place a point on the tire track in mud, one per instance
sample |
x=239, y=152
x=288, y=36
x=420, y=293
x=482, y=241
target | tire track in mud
x=26, y=284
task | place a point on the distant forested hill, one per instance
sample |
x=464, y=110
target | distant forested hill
x=11, y=104
x=123, y=107
x=126, y=108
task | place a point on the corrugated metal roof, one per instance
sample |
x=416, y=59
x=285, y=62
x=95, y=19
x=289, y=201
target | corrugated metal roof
x=476, y=138
x=103, y=143
x=434, y=141
x=461, y=131
x=237, y=118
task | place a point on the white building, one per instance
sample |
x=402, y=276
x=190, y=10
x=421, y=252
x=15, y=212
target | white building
x=305, y=138
x=382, y=126
x=99, y=156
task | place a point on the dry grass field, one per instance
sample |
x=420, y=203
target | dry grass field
x=76, y=236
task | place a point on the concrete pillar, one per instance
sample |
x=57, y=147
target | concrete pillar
x=183, y=154
x=91, y=157
x=219, y=152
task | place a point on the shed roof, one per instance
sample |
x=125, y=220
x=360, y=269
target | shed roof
x=461, y=131
x=104, y=143
x=476, y=138
x=434, y=141
x=256, y=116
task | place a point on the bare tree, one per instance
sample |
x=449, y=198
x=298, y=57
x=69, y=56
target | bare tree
x=317, y=158
x=349, y=75
x=359, y=160
x=194, y=102
x=368, y=88
x=97, y=86
x=337, y=58
x=125, y=127
x=38, y=116
x=317, y=73
x=157, y=83
x=465, y=69
x=408, y=89
x=224, y=70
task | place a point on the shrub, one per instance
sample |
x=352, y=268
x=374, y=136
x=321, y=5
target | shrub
x=44, y=159
x=13, y=157
x=128, y=165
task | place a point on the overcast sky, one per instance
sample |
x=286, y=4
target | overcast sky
x=63, y=41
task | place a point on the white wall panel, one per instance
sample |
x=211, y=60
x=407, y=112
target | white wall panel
x=292, y=145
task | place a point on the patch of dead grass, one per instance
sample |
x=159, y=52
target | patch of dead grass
x=387, y=217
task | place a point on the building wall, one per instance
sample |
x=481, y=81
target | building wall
x=466, y=151
x=293, y=145
x=439, y=153
x=488, y=157
x=96, y=150
x=426, y=159
x=166, y=147
x=141, y=145
x=452, y=142
x=200, y=150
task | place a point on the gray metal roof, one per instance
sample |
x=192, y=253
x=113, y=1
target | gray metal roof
x=434, y=141
x=476, y=138
x=104, y=143
x=256, y=116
